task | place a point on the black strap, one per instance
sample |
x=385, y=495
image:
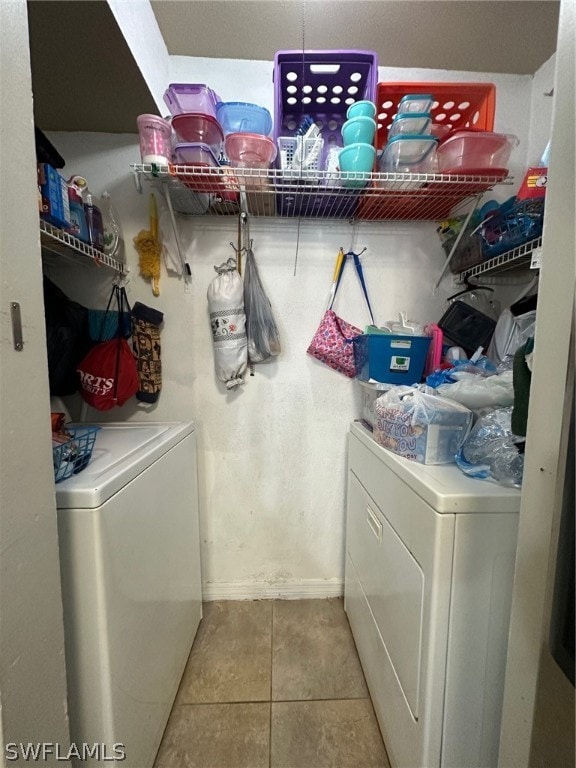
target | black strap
x=122, y=301
x=105, y=315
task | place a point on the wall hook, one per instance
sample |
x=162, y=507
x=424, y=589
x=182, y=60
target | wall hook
x=351, y=253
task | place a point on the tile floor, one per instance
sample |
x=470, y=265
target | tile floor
x=273, y=684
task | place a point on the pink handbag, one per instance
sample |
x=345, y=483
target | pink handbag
x=333, y=341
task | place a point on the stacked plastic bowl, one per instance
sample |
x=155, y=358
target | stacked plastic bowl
x=359, y=153
x=199, y=136
x=246, y=127
x=411, y=147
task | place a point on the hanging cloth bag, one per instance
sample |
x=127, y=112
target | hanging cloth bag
x=108, y=373
x=332, y=343
x=228, y=323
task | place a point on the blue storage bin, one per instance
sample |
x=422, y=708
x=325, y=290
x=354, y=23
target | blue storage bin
x=512, y=225
x=391, y=359
x=73, y=456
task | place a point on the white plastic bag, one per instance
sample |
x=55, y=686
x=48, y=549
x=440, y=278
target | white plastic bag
x=491, y=450
x=261, y=330
x=228, y=322
x=510, y=333
x=479, y=392
x=420, y=426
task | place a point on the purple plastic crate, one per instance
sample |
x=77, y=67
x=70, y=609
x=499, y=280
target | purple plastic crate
x=323, y=204
x=321, y=84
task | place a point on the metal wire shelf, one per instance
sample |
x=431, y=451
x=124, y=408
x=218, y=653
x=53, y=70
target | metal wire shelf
x=57, y=241
x=316, y=194
x=521, y=256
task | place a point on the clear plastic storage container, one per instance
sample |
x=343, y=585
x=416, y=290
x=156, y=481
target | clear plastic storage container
x=411, y=123
x=249, y=150
x=189, y=97
x=194, y=153
x=155, y=139
x=409, y=154
x=415, y=102
x=475, y=152
x=199, y=129
x=239, y=116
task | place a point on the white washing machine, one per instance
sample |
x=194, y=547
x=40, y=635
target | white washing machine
x=428, y=585
x=131, y=585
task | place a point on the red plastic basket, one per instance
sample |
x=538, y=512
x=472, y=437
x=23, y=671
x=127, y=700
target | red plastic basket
x=459, y=105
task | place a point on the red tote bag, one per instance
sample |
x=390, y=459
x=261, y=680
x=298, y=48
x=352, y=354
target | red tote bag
x=332, y=343
x=108, y=373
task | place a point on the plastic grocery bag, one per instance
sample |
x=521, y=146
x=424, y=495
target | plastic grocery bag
x=492, y=451
x=420, y=426
x=511, y=332
x=479, y=392
x=261, y=331
x=228, y=322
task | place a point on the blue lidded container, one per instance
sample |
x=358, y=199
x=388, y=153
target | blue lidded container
x=243, y=117
x=415, y=102
x=413, y=123
x=78, y=224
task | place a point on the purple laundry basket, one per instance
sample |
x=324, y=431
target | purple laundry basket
x=325, y=205
x=320, y=85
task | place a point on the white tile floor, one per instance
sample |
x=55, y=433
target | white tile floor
x=273, y=684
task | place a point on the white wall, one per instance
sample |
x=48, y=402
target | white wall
x=272, y=456
x=541, y=106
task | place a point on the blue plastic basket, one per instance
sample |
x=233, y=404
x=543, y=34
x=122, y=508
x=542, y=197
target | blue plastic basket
x=73, y=456
x=391, y=359
x=512, y=225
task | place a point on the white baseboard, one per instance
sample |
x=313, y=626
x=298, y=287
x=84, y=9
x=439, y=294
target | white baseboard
x=304, y=589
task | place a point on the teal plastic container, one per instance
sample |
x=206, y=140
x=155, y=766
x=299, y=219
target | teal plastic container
x=391, y=359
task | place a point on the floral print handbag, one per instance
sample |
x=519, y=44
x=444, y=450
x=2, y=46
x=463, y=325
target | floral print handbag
x=333, y=341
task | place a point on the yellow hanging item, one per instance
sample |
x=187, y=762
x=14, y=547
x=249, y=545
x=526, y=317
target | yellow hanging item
x=149, y=249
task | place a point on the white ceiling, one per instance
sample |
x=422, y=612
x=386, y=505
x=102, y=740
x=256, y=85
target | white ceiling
x=505, y=36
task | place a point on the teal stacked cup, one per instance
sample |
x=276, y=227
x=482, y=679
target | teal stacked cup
x=359, y=153
x=358, y=130
x=361, y=109
x=357, y=159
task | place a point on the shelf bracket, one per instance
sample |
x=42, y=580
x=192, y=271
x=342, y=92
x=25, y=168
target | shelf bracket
x=137, y=181
x=457, y=241
x=186, y=271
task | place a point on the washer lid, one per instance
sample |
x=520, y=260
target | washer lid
x=121, y=452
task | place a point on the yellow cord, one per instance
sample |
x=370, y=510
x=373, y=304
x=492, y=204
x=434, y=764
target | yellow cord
x=149, y=252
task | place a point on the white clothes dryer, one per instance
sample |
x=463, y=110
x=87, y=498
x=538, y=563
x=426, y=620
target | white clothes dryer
x=131, y=585
x=428, y=586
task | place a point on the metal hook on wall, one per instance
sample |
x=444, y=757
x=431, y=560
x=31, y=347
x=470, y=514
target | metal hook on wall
x=238, y=251
x=352, y=253
x=120, y=280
